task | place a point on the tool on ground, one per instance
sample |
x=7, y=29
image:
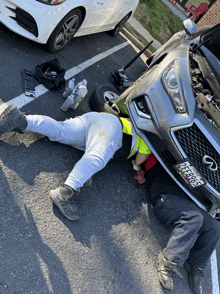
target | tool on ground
x=121, y=80
x=50, y=73
x=76, y=96
x=28, y=83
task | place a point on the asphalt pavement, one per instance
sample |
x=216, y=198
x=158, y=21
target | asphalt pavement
x=113, y=247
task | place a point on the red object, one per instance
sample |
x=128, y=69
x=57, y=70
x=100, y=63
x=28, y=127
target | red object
x=140, y=177
x=150, y=162
x=174, y=1
x=202, y=8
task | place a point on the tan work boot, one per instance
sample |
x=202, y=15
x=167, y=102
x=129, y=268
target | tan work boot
x=11, y=119
x=61, y=197
x=165, y=269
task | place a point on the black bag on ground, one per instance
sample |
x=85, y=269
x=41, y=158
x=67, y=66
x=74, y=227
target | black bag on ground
x=45, y=74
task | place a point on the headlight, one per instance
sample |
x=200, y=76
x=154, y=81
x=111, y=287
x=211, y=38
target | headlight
x=172, y=84
x=51, y=2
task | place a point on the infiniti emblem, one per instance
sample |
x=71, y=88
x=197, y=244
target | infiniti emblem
x=210, y=162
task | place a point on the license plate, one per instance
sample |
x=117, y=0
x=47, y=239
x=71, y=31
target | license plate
x=189, y=173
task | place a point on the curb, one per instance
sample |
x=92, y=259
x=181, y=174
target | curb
x=136, y=42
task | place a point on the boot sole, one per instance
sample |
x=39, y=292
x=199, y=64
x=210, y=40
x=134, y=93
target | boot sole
x=5, y=118
x=159, y=261
x=58, y=204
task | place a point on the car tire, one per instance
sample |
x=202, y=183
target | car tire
x=65, y=31
x=119, y=26
x=102, y=99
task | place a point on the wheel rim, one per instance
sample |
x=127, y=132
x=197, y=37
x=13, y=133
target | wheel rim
x=110, y=98
x=66, y=32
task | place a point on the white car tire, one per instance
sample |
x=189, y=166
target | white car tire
x=65, y=31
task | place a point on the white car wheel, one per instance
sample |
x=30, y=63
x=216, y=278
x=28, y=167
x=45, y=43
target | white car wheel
x=65, y=31
x=103, y=100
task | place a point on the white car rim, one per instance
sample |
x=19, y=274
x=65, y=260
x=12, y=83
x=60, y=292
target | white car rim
x=110, y=97
x=66, y=32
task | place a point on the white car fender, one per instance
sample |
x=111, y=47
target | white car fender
x=47, y=24
x=101, y=15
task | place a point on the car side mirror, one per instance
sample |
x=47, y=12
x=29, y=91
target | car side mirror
x=190, y=27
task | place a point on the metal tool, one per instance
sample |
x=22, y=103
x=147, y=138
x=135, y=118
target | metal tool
x=121, y=80
x=28, y=83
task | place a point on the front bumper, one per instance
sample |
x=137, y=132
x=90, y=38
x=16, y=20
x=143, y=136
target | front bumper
x=163, y=131
x=31, y=19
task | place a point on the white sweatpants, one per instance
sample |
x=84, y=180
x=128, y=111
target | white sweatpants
x=98, y=134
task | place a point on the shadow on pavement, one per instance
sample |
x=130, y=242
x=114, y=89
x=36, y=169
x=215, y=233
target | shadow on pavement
x=28, y=265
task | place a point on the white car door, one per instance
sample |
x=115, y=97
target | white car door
x=102, y=15
x=116, y=10
x=97, y=15
x=120, y=8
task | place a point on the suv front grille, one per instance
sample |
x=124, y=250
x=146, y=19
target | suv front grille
x=196, y=145
x=25, y=20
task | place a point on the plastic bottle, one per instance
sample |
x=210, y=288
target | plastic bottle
x=67, y=103
x=81, y=91
x=69, y=88
x=74, y=99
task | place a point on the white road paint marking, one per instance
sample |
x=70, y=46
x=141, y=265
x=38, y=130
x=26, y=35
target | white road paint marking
x=77, y=69
x=22, y=100
x=214, y=273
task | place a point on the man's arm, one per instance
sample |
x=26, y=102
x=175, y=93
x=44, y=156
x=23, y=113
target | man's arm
x=140, y=158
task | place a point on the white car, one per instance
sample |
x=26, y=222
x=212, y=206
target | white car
x=55, y=22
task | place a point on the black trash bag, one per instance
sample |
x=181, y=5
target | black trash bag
x=45, y=74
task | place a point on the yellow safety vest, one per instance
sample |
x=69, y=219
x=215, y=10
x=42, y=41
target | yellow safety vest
x=138, y=144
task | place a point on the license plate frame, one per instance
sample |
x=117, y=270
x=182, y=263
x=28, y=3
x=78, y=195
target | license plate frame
x=189, y=173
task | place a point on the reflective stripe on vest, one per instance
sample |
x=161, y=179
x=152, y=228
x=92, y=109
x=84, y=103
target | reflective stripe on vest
x=138, y=143
x=128, y=129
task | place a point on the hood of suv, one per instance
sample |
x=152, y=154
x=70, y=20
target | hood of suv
x=211, y=40
x=205, y=70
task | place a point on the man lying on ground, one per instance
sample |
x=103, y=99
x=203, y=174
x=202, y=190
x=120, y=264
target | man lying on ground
x=194, y=233
x=98, y=134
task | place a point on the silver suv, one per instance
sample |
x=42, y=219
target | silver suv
x=175, y=107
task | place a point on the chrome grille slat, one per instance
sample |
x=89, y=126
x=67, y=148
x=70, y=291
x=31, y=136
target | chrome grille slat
x=196, y=145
